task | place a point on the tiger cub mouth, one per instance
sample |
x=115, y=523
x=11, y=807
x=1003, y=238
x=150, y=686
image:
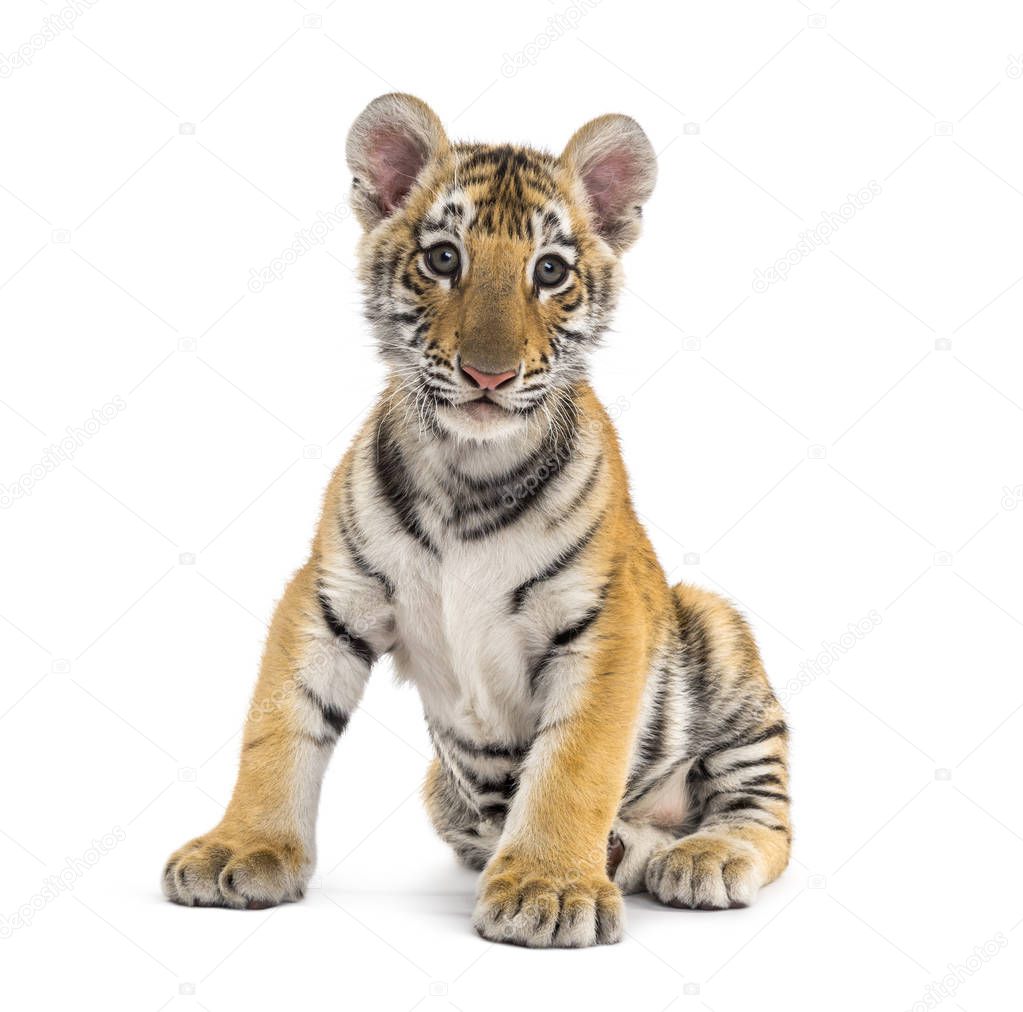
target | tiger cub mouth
x=483, y=409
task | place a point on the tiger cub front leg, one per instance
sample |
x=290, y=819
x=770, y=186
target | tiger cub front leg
x=313, y=673
x=548, y=884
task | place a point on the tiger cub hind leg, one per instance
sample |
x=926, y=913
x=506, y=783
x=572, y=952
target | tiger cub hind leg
x=738, y=785
x=743, y=837
x=472, y=839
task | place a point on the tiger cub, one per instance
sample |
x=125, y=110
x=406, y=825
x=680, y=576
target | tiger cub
x=596, y=732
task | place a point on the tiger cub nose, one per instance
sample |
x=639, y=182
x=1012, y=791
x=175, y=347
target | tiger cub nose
x=488, y=380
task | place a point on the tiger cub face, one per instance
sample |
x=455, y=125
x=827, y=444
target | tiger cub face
x=490, y=271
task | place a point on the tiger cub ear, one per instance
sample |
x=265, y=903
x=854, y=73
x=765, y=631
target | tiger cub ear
x=389, y=145
x=615, y=162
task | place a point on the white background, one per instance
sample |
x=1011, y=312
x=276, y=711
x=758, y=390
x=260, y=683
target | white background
x=846, y=442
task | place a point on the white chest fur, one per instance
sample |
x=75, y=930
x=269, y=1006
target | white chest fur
x=461, y=638
x=466, y=655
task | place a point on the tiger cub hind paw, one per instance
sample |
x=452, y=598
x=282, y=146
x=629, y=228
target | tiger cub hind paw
x=704, y=872
x=211, y=871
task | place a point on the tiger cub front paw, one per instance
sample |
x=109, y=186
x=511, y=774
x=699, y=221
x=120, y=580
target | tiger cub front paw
x=524, y=904
x=245, y=873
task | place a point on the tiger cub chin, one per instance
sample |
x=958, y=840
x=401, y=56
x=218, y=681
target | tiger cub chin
x=596, y=731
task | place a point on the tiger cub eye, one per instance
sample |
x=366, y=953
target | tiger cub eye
x=550, y=271
x=443, y=259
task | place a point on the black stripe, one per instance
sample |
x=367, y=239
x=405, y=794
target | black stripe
x=763, y=780
x=581, y=496
x=356, y=644
x=574, y=631
x=453, y=774
x=776, y=730
x=695, y=662
x=560, y=563
x=738, y=805
x=651, y=749
x=738, y=725
x=322, y=742
x=539, y=667
x=773, y=795
x=561, y=639
x=505, y=786
x=574, y=335
x=747, y=763
x=507, y=497
x=497, y=486
x=397, y=486
x=362, y=565
x=335, y=717
x=640, y=789
x=505, y=504
x=490, y=750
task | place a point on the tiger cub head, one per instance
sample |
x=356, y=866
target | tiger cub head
x=491, y=270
